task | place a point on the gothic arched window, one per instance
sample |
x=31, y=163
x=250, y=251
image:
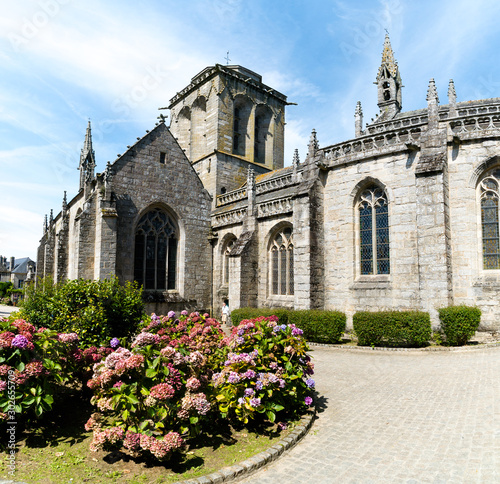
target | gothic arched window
x=374, y=231
x=489, y=193
x=155, y=262
x=225, y=261
x=281, y=263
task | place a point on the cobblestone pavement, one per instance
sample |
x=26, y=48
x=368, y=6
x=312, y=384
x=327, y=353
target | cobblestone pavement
x=399, y=417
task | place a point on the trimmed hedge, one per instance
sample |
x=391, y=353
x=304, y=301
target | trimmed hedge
x=459, y=323
x=318, y=326
x=96, y=310
x=392, y=328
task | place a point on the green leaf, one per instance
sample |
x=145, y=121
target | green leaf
x=20, y=366
x=151, y=373
x=271, y=415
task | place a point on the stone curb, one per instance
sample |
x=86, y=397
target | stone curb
x=480, y=346
x=252, y=464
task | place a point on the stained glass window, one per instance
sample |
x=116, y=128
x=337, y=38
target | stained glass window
x=489, y=193
x=374, y=231
x=281, y=263
x=155, y=259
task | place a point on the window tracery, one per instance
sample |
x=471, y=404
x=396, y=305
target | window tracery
x=281, y=263
x=489, y=195
x=374, y=231
x=155, y=260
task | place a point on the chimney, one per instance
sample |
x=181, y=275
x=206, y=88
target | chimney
x=12, y=262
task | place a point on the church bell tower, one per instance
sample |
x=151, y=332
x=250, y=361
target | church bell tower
x=389, y=84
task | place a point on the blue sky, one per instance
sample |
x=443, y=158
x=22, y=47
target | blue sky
x=115, y=62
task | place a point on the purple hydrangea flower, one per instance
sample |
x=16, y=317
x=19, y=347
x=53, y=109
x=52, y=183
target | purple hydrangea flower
x=276, y=329
x=241, y=332
x=19, y=341
x=233, y=377
x=310, y=383
x=308, y=401
x=283, y=327
x=255, y=402
x=114, y=343
x=259, y=385
x=297, y=332
x=171, y=314
x=249, y=374
x=249, y=392
x=240, y=340
x=241, y=400
x=184, y=313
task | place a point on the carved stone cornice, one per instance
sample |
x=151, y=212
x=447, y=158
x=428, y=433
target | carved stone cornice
x=229, y=218
x=275, y=207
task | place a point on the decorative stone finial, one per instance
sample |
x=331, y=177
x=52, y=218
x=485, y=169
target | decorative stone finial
x=432, y=94
x=250, y=178
x=359, y=111
x=45, y=225
x=452, y=95
x=313, y=144
x=51, y=218
x=452, y=99
x=64, y=202
x=296, y=159
x=108, y=173
x=358, y=120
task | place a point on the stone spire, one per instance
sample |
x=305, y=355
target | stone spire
x=358, y=120
x=87, y=159
x=432, y=94
x=64, y=203
x=313, y=145
x=432, y=105
x=295, y=164
x=452, y=99
x=51, y=217
x=251, y=193
x=389, y=83
x=45, y=224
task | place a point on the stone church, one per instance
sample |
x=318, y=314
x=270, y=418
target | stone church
x=403, y=216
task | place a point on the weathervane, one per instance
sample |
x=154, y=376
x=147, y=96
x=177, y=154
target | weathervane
x=227, y=58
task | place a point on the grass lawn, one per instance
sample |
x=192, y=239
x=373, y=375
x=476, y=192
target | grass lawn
x=57, y=451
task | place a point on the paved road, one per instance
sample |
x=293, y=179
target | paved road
x=399, y=417
x=6, y=310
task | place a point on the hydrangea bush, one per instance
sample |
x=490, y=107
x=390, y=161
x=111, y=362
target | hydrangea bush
x=33, y=362
x=176, y=377
x=153, y=395
x=266, y=372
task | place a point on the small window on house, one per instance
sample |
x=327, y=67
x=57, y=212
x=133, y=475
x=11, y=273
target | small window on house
x=162, y=157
